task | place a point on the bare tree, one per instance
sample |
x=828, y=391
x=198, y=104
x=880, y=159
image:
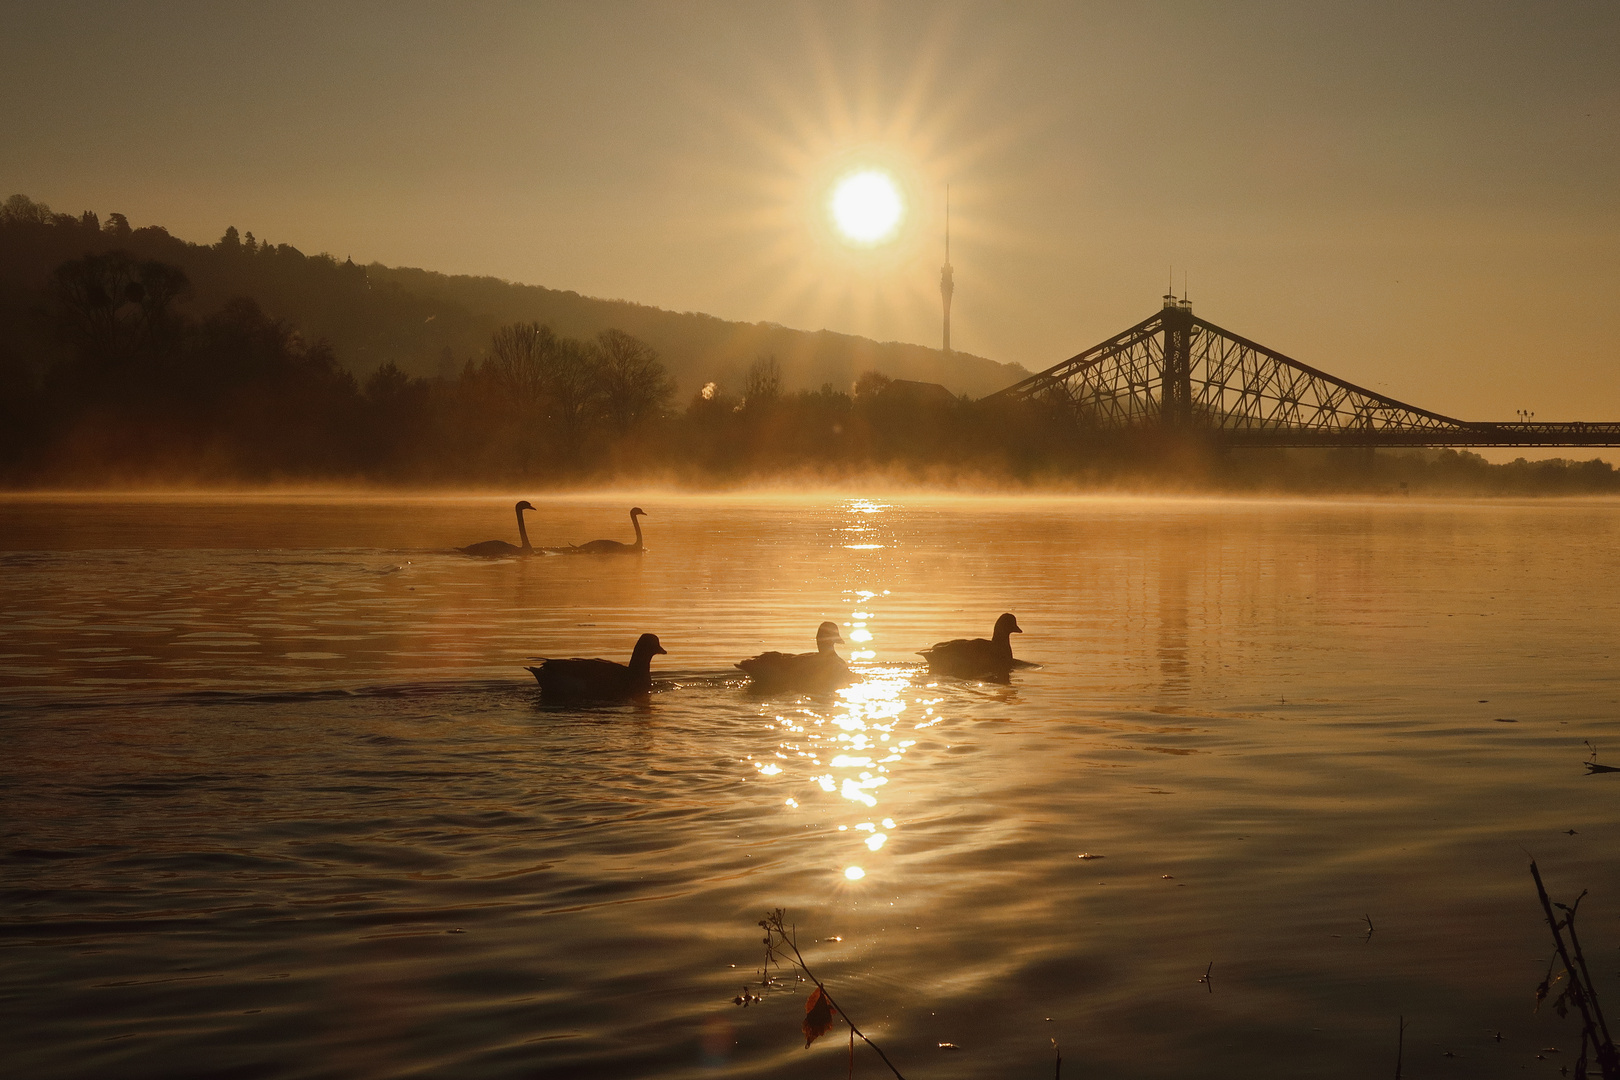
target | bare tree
x=519, y=355
x=23, y=210
x=573, y=387
x=764, y=383
x=634, y=383
x=111, y=304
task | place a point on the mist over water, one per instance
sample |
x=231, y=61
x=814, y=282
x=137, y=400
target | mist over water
x=279, y=799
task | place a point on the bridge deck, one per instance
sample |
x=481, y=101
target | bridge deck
x=1481, y=434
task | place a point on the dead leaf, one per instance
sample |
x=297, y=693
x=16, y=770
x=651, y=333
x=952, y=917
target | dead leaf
x=818, y=1016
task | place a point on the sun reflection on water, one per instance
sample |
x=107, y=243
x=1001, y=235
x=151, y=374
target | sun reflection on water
x=848, y=746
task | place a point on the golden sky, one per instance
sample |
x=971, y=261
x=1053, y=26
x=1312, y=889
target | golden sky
x=1421, y=198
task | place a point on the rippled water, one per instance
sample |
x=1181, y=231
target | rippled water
x=279, y=800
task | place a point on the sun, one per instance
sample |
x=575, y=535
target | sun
x=866, y=207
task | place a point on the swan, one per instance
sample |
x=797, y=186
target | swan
x=576, y=679
x=823, y=669
x=491, y=548
x=971, y=658
x=615, y=547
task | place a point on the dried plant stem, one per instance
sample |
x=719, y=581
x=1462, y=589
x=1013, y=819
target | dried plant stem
x=1581, y=989
x=774, y=926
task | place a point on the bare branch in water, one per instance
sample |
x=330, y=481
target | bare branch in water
x=1579, y=989
x=781, y=944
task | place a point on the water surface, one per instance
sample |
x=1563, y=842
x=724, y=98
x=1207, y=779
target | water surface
x=279, y=800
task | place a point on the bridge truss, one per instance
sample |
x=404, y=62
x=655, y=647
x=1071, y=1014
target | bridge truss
x=1175, y=371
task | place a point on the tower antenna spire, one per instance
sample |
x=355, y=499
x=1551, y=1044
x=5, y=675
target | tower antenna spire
x=946, y=285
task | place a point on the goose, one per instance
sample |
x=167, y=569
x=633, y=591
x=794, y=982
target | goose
x=576, y=679
x=491, y=548
x=971, y=658
x=823, y=669
x=615, y=547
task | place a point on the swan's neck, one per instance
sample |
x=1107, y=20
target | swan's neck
x=641, y=662
x=1003, y=638
x=523, y=533
x=636, y=521
x=828, y=646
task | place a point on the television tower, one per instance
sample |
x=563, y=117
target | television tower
x=946, y=286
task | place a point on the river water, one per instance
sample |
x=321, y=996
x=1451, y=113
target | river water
x=278, y=798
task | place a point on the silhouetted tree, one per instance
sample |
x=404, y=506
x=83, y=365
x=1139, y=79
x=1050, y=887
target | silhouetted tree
x=634, y=385
x=519, y=358
x=111, y=305
x=764, y=383
x=21, y=210
x=869, y=384
x=574, y=391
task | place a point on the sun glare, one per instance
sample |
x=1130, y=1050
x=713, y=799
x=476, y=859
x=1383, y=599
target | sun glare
x=867, y=207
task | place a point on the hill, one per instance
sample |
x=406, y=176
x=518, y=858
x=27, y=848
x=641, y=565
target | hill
x=428, y=323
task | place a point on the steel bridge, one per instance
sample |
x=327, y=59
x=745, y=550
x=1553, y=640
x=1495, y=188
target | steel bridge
x=1176, y=372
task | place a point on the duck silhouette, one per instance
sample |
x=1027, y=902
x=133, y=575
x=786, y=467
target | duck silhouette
x=973, y=658
x=577, y=679
x=494, y=548
x=615, y=547
x=823, y=669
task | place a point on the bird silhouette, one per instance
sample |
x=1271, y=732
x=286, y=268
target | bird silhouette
x=823, y=669
x=615, y=547
x=973, y=658
x=577, y=679
x=492, y=548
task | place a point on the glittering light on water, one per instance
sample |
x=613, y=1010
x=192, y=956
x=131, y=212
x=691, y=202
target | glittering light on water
x=852, y=789
x=854, y=873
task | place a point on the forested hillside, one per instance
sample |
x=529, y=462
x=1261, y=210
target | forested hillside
x=427, y=323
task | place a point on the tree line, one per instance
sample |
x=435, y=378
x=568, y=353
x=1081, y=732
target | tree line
x=107, y=378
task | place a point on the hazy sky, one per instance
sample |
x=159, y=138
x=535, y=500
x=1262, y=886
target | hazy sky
x=1420, y=197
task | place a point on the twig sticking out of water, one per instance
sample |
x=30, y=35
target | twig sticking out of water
x=1057, y=1072
x=1400, y=1046
x=1207, y=978
x=781, y=944
x=1369, y=928
x=1592, y=766
x=1579, y=988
